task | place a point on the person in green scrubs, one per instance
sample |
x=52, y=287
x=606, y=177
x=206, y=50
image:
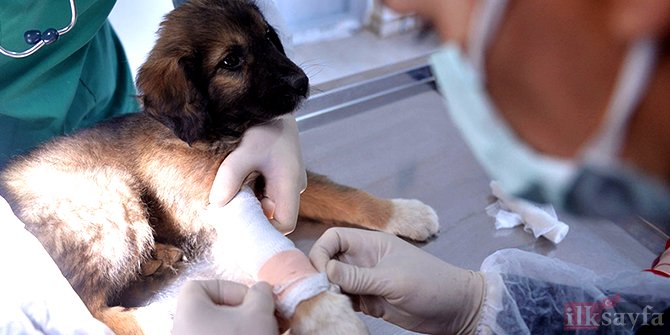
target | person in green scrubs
x=78, y=80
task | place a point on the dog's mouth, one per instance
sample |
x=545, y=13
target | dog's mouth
x=287, y=97
x=290, y=102
x=234, y=121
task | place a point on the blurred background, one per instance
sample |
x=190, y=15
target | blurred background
x=332, y=39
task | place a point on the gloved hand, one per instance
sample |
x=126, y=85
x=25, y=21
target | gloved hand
x=390, y=278
x=272, y=149
x=224, y=307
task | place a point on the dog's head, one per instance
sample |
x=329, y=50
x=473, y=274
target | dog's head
x=218, y=68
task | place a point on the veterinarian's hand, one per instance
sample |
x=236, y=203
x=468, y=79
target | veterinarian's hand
x=273, y=150
x=392, y=279
x=224, y=307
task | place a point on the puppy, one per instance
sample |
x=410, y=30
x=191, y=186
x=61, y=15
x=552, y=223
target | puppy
x=101, y=199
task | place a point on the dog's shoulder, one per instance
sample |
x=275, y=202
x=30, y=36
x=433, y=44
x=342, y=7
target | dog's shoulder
x=123, y=123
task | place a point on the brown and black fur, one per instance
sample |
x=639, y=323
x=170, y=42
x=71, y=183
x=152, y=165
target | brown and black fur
x=100, y=200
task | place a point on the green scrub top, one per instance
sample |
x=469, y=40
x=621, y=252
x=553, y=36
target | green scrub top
x=80, y=79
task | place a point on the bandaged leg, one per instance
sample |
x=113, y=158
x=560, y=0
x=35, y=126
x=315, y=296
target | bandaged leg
x=264, y=253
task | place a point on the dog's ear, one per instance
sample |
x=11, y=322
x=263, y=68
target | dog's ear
x=272, y=35
x=169, y=93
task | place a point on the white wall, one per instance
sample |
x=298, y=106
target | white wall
x=312, y=21
x=301, y=13
x=136, y=23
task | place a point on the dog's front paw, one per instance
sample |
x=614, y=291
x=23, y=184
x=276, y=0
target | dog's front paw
x=412, y=219
x=328, y=313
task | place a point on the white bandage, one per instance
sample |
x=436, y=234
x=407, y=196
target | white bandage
x=246, y=233
x=264, y=253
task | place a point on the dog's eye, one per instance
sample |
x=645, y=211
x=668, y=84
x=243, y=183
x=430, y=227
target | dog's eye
x=232, y=61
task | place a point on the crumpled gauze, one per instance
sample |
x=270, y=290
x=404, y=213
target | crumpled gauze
x=540, y=220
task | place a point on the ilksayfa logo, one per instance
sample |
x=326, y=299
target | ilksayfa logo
x=592, y=315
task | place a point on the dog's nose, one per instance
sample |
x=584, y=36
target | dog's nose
x=299, y=83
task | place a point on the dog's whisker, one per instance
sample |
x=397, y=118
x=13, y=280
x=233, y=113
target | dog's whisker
x=312, y=63
x=314, y=67
x=315, y=73
x=313, y=70
x=308, y=61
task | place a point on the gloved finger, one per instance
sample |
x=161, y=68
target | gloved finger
x=192, y=296
x=193, y=304
x=284, y=210
x=268, y=208
x=260, y=298
x=346, y=242
x=353, y=279
x=229, y=178
x=223, y=292
x=325, y=248
x=282, y=189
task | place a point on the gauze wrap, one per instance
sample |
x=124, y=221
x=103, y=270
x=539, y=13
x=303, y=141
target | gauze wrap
x=262, y=252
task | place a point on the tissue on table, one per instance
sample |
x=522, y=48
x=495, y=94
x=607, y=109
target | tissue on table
x=541, y=220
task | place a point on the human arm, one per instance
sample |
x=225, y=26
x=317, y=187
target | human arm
x=224, y=307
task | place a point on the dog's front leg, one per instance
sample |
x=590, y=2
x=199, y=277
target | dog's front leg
x=326, y=201
x=302, y=295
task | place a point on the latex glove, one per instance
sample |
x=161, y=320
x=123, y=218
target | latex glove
x=392, y=279
x=272, y=149
x=224, y=307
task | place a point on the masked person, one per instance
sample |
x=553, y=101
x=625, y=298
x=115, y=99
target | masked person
x=562, y=102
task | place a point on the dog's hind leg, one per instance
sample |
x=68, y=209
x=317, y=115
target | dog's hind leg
x=119, y=320
x=326, y=201
x=93, y=224
x=154, y=319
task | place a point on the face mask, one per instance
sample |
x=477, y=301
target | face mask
x=595, y=184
